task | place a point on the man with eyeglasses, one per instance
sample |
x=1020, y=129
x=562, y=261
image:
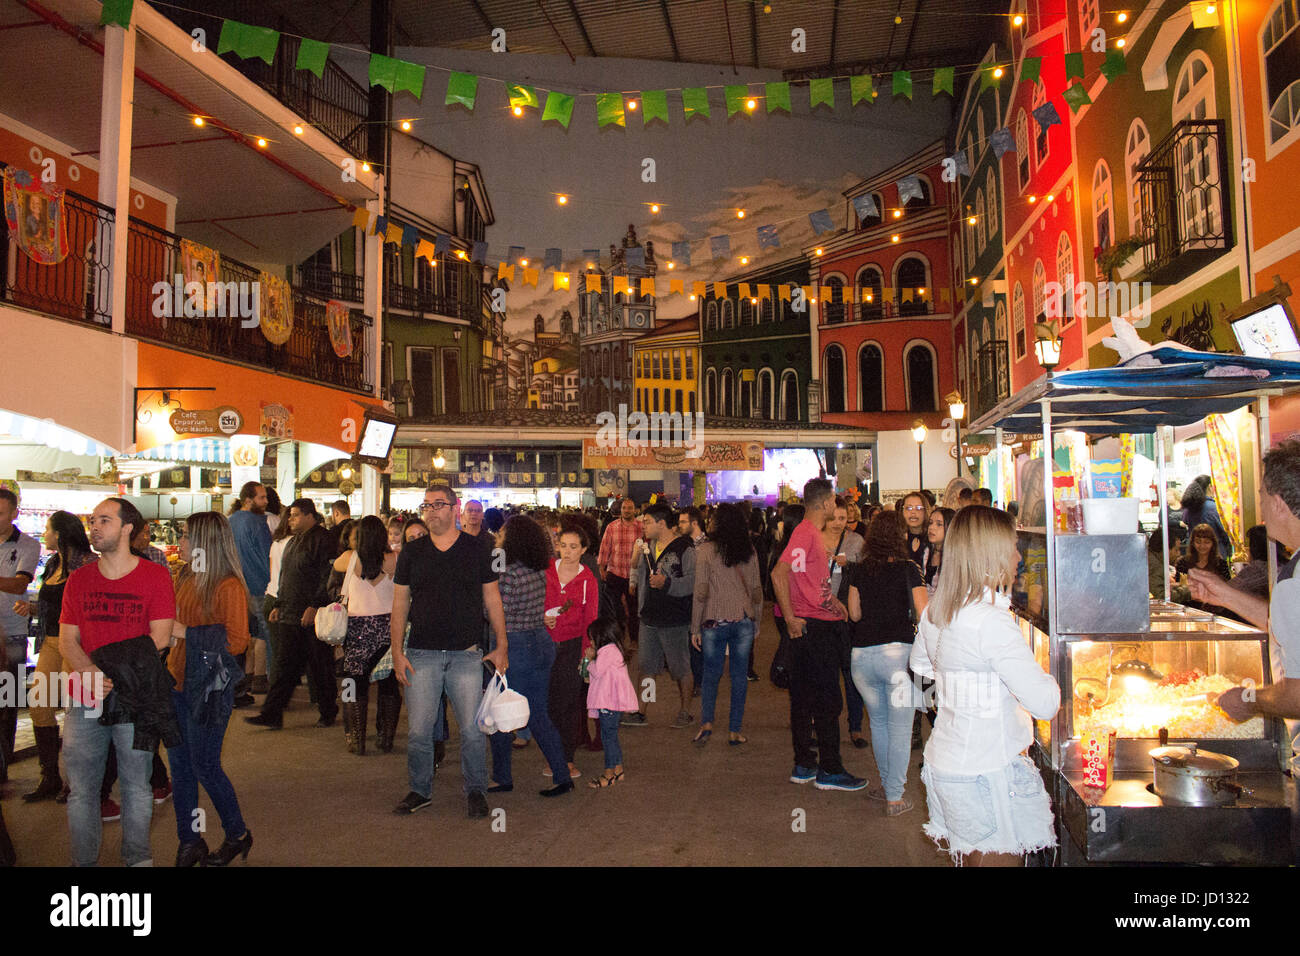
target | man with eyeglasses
x=443, y=584
x=304, y=576
x=915, y=510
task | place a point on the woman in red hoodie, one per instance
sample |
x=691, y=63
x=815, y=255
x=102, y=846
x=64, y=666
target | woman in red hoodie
x=572, y=604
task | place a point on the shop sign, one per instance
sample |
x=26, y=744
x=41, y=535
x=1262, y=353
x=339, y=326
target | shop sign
x=277, y=422
x=203, y=422
x=706, y=456
x=972, y=449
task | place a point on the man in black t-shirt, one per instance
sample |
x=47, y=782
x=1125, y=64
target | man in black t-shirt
x=443, y=583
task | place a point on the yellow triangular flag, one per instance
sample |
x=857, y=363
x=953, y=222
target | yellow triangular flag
x=744, y=290
x=764, y=293
x=700, y=289
x=559, y=281
x=647, y=286
x=825, y=293
x=425, y=250
x=945, y=295
x=506, y=270
x=530, y=276
x=719, y=290
x=620, y=284
x=809, y=293
x=361, y=218
x=889, y=294
x=594, y=283
x=784, y=292
x=393, y=234
x=676, y=287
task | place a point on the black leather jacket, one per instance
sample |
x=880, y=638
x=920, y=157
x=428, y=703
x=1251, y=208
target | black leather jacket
x=304, y=573
x=142, y=691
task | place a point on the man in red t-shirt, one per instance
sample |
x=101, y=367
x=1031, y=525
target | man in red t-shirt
x=802, y=582
x=114, y=599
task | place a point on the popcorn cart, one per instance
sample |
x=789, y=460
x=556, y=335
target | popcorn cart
x=1141, y=765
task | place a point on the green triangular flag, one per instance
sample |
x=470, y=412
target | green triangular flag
x=258, y=42
x=231, y=31
x=860, y=89
x=987, y=78
x=559, y=107
x=1073, y=66
x=1076, y=96
x=654, y=105
x=942, y=82
x=695, y=101
x=609, y=109
x=1114, y=64
x=903, y=83
x=1030, y=68
x=821, y=91
x=410, y=77
x=312, y=55
x=524, y=96
x=462, y=88
x=116, y=11
x=736, y=96
x=383, y=71
x=777, y=96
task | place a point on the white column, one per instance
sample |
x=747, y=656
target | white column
x=373, y=292
x=115, y=154
x=286, y=473
x=815, y=363
x=369, y=490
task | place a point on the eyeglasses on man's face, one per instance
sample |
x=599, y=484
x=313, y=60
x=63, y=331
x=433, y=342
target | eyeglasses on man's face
x=435, y=506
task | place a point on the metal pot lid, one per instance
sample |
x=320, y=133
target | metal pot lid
x=1196, y=762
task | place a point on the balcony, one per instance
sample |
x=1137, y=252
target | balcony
x=991, y=382
x=838, y=313
x=328, y=284
x=1184, y=185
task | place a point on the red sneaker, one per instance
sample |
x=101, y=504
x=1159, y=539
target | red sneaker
x=109, y=810
x=160, y=794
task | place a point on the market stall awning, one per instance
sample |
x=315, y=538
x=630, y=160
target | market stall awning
x=1165, y=386
x=189, y=451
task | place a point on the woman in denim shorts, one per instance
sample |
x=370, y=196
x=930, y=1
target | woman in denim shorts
x=986, y=800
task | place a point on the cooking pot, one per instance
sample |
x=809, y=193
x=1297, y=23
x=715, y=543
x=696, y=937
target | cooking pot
x=1184, y=775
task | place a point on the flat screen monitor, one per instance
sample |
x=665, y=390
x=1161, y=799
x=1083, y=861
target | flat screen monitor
x=1267, y=333
x=378, y=432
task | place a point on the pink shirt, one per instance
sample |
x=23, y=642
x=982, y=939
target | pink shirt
x=810, y=576
x=610, y=688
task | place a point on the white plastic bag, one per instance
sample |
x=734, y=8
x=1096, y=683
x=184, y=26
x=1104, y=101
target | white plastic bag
x=332, y=624
x=483, y=718
x=509, y=710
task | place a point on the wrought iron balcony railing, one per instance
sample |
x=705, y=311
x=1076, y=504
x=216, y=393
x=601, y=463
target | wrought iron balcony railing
x=991, y=377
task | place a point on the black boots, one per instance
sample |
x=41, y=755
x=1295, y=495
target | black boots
x=47, y=751
x=354, y=727
x=192, y=854
x=388, y=707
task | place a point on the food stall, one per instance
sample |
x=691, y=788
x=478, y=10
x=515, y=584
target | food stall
x=1136, y=672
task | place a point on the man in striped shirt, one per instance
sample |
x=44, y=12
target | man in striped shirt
x=615, y=563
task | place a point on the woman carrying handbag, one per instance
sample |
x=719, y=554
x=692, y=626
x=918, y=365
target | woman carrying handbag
x=367, y=591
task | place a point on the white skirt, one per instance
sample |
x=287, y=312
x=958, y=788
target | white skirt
x=1003, y=811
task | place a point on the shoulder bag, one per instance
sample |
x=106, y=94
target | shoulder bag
x=332, y=620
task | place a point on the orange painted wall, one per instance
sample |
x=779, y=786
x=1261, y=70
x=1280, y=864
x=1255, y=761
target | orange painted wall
x=318, y=412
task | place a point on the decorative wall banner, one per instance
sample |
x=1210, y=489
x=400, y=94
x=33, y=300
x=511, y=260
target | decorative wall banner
x=276, y=422
x=202, y=265
x=245, y=460
x=338, y=318
x=709, y=456
x=277, y=309
x=34, y=213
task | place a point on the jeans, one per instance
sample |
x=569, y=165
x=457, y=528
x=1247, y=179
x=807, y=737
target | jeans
x=567, y=695
x=274, y=636
x=852, y=699
x=255, y=602
x=532, y=653
x=299, y=650
x=197, y=760
x=609, y=738
x=876, y=672
x=85, y=752
x=714, y=641
x=460, y=675
x=815, y=697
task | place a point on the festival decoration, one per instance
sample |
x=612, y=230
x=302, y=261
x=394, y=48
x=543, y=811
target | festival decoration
x=276, y=304
x=338, y=319
x=35, y=215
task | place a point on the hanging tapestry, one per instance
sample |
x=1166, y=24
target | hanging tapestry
x=34, y=212
x=1225, y=471
x=277, y=309
x=202, y=265
x=338, y=317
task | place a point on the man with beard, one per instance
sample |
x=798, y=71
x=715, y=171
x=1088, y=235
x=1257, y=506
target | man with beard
x=253, y=540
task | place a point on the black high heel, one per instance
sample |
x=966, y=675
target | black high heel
x=231, y=849
x=191, y=854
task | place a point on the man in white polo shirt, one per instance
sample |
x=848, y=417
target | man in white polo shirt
x=19, y=554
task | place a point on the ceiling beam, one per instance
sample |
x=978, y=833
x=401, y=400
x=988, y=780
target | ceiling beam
x=753, y=28
x=925, y=61
x=668, y=22
x=835, y=28
x=551, y=24
x=330, y=35
x=481, y=15
x=730, y=45
x=573, y=8
x=911, y=28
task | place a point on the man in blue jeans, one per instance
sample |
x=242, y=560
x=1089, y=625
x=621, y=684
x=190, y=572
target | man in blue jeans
x=443, y=583
x=253, y=540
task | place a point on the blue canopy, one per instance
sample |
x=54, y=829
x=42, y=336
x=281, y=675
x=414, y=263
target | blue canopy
x=1165, y=386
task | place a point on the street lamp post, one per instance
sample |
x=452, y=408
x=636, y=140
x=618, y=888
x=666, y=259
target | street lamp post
x=919, y=432
x=957, y=409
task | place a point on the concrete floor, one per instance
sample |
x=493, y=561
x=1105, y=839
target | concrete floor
x=310, y=803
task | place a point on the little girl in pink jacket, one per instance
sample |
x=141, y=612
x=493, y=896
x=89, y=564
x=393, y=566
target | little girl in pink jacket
x=609, y=695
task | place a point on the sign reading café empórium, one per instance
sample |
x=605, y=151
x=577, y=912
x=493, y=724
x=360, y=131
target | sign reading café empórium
x=700, y=456
x=205, y=422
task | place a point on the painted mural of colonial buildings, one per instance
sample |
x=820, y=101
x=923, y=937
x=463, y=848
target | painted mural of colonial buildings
x=609, y=322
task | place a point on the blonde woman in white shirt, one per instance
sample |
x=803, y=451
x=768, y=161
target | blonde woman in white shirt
x=986, y=799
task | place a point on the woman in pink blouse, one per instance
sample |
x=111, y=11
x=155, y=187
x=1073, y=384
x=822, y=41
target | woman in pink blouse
x=572, y=604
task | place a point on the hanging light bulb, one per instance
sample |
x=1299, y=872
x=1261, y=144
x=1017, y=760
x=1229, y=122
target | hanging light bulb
x=751, y=103
x=895, y=237
x=261, y=142
x=297, y=130
x=1121, y=17
x=562, y=199
x=740, y=214
x=997, y=72
x=198, y=121
x=654, y=208
x=406, y=126
x=744, y=260
x=517, y=110
x=631, y=104
x=365, y=167
x=1017, y=20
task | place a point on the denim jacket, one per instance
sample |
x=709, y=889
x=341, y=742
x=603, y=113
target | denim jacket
x=211, y=673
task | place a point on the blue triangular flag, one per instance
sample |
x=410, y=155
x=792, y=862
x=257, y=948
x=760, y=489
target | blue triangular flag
x=514, y=254
x=682, y=253
x=909, y=187
x=720, y=246
x=381, y=226
x=410, y=236
x=865, y=206
x=961, y=163
x=634, y=257
x=1002, y=142
x=821, y=221
x=554, y=259
x=767, y=238
x=1046, y=115
x=480, y=252
x=441, y=244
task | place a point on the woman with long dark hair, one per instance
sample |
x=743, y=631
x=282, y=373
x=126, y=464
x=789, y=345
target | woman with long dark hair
x=889, y=584
x=66, y=537
x=210, y=628
x=274, y=629
x=725, y=614
x=1199, y=508
x=527, y=548
x=573, y=602
x=940, y=519
x=367, y=590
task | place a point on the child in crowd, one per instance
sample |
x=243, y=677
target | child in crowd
x=610, y=695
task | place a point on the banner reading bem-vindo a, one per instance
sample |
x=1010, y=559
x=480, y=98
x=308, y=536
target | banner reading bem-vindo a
x=706, y=456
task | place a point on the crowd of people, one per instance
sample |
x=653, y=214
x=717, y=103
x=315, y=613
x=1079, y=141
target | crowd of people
x=893, y=612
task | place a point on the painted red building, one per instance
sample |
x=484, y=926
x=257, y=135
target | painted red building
x=884, y=342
